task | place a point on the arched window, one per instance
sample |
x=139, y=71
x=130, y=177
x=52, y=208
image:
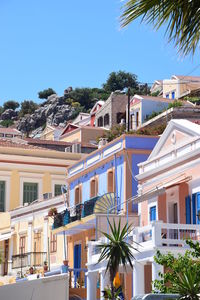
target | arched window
x=78, y=195
x=93, y=188
x=111, y=182
x=106, y=120
x=100, y=122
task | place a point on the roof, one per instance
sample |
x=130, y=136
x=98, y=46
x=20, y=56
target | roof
x=17, y=144
x=151, y=98
x=100, y=102
x=187, y=78
x=9, y=130
x=59, y=143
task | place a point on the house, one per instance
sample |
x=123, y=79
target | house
x=10, y=133
x=112, y=112
x=99, y=186
x=27, y=174
x=81, y=134
x=168, y=202
x=94, y=110
x=83, y=119
x=51, y=133
x=141, y=108
x=178, y=86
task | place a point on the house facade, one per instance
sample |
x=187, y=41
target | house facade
x=27, y=174
x=168, y=203
x=141, y=107
x=51, y=133
x=98, y=187
x=113, y=112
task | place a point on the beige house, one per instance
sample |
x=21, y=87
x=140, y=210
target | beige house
x=27, y=174
x=51, y=133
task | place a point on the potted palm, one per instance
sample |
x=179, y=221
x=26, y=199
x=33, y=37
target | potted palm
x=117, y=251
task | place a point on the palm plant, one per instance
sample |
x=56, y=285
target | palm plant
x=187, y=285
x=181, y=16
x=116, y=251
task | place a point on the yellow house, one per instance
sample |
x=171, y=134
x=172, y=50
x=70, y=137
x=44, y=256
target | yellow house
x=27, y=174
x=51, y=133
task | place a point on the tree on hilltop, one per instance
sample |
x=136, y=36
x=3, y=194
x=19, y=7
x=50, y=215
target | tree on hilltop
x=11, y=104
x=28, y=107
x=46, y=93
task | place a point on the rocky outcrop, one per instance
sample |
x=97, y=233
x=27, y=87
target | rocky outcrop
x=54, y=111
x=8, y=114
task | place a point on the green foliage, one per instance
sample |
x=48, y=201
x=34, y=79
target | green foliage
x=46, y=93
x=195, y=100
x=155, y=94
x=107, y=293
x=11, y=104
x=117, y=250
x=27, y=107
x=182, y=19
x=120, y=80
x=175, y=103
x=7, y=123
x=182, y=273
x=153, y=115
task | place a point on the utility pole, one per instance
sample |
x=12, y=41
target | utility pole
x=128, y=125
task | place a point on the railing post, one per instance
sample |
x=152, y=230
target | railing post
x=156, y=233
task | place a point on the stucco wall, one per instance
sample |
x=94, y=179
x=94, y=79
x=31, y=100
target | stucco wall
x=51, y=288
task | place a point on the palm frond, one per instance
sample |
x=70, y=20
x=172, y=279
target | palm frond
x=181, y=17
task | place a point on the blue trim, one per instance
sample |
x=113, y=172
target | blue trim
x=188, y=209
x=194, y=211
x=198, y=206
x=152, y=213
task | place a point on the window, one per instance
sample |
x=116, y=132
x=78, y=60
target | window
x=93, y=188
x=2, y=196
x=137, y=119
x=100, y=122
x=78, y=195
x=106, y=120
x=57, y=189
x=173, y=95
x=30, y=192
x=152, y=213
x=22, y=243
x=53, y=243
x=110, y=182
x=167, y=96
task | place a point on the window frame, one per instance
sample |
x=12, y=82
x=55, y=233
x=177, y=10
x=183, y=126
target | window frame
x=25, y=183
x=53, y=243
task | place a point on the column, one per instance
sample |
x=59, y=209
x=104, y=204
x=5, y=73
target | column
x=10, y=253
x=138, y=279
x=104, y=282
x=156, y=269
x=45, y=235
x=29, y=241
x=91, y=285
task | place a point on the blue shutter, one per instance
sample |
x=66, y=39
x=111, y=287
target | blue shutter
x=152, y=213
x=188, y=209
x=77, y=257
x=198, y=207
x=194, y=211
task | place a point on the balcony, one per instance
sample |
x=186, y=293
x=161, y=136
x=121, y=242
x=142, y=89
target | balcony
x=29, y=259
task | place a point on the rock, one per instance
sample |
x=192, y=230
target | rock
x=8, y=114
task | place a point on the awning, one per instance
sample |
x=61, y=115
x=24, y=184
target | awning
x=5, y=236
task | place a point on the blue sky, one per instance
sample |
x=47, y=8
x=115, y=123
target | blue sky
x=48, y=43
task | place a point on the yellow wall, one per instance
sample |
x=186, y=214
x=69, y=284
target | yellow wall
x=46, y=183
x=72, y=137
x=14, y=189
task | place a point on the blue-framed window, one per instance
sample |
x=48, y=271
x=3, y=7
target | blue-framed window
x=173, y=95
x=167, y=96
x=152, y=213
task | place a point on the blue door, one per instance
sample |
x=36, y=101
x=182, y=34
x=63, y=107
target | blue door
x=152, y=213
x=77, y=258
x=194, y=209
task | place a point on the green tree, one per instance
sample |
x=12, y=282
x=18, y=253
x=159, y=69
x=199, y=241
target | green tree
x=7, y=123
x=182, y=18
x=116, y=251
x=46, y=93
x=183, y=273
x=28, y=107
x=120, y=80
x=11, y=104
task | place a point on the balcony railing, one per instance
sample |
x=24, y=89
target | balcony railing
x=29, y=259
x=159, y=234
x=77, y=278
x=75, y=213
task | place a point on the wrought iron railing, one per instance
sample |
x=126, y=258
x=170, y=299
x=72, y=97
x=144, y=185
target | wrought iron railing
x=29, y=259
x=75, y=213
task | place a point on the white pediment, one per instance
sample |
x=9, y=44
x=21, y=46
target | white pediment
x=177, y=133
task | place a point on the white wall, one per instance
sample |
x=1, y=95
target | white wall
x=51, y=288
x=149, y=106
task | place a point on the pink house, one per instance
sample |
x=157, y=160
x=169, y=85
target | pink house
x=169, y=200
